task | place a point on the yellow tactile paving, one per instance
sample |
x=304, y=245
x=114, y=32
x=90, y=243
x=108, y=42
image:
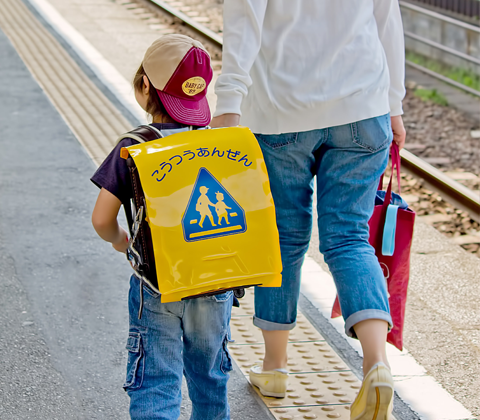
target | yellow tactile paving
x=341, y=412
x=303, y=356
x=246, y=333
x=91, y=116
x=320, y=384
x=308, y=389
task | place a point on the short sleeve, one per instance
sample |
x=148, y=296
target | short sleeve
x=113, y=174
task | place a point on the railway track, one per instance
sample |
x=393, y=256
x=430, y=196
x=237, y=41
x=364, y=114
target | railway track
x=443, y=20
x=424, y=195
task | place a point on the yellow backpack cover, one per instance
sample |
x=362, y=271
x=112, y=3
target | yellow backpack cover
x=208, y=206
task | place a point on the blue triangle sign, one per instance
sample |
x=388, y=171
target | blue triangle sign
x=211, y=211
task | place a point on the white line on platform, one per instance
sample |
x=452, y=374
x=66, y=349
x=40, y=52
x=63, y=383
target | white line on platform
x=420, y=391
x=102, y=68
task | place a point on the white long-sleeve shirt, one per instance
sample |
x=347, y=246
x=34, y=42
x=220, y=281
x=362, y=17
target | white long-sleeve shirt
x=299, y=65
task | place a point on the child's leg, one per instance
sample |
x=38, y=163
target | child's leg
x=155, y=364
x=206, y=358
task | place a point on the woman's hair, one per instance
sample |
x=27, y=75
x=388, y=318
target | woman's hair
x=154, y=105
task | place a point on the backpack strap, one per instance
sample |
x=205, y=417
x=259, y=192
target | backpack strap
x=145, y=132
x=142, y=134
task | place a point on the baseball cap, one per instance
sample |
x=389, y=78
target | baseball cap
x=179, y=69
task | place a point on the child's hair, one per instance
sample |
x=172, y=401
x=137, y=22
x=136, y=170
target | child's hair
x=154, y=104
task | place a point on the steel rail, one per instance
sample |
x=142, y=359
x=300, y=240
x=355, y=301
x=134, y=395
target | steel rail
x=452, y=191
x=455, y=193
x=191, y=23
x=441, y=47
x=439, y=16
x=443, y=78
x=467, y=9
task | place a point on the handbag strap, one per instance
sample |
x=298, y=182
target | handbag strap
x=395, y=153
x=388, y=240
x=397, y=159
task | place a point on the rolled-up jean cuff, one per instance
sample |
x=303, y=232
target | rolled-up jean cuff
x=272, y=326
x=363, y=316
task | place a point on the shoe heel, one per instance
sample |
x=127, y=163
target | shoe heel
x=279, y=389
x=379, y=400
x=270, y=384
x=266, y=393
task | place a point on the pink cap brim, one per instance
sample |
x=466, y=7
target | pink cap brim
x=186, y=112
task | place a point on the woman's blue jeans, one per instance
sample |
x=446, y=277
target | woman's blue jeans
x=174, y=339
x=347, y=162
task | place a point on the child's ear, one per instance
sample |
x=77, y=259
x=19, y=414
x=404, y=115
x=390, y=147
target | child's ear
x=146, y=85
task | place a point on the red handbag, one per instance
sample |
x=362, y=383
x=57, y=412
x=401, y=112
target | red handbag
x=391, y=233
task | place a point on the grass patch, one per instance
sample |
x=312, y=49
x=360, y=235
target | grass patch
x=431, y=95
x=463, y=76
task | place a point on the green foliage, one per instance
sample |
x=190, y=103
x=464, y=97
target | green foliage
x=431, y=95
x=464, y=76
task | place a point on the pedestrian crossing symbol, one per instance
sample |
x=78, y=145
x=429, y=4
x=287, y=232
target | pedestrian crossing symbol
x=211, y=211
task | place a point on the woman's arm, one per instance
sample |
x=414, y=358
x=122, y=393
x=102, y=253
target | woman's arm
x=390, y=31
x=104, y=220
x=242, y=36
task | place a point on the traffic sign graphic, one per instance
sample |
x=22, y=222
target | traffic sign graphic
x=211, y=211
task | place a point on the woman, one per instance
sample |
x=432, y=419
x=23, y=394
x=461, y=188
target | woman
x=321, y=84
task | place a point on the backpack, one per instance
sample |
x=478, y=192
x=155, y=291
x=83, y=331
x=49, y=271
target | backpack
x=202, y=218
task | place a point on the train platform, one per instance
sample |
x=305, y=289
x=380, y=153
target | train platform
x=65, y=95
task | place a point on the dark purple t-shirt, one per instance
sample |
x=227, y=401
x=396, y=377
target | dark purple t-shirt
x=113, y=174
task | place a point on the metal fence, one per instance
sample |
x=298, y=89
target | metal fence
x=469, y=8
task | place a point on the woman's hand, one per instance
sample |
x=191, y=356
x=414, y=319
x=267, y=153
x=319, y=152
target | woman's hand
x=225, y=120
x=399, y=133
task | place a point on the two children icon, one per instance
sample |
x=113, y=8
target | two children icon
x=203, y=207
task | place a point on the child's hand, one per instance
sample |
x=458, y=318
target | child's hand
x=122, y=244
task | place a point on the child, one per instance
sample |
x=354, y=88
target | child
x=221, y=208
x=188, y=337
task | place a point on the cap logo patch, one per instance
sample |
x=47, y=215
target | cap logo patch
x=194, y=85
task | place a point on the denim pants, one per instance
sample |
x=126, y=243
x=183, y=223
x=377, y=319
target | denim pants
x=347, y=162
x=174, y=339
